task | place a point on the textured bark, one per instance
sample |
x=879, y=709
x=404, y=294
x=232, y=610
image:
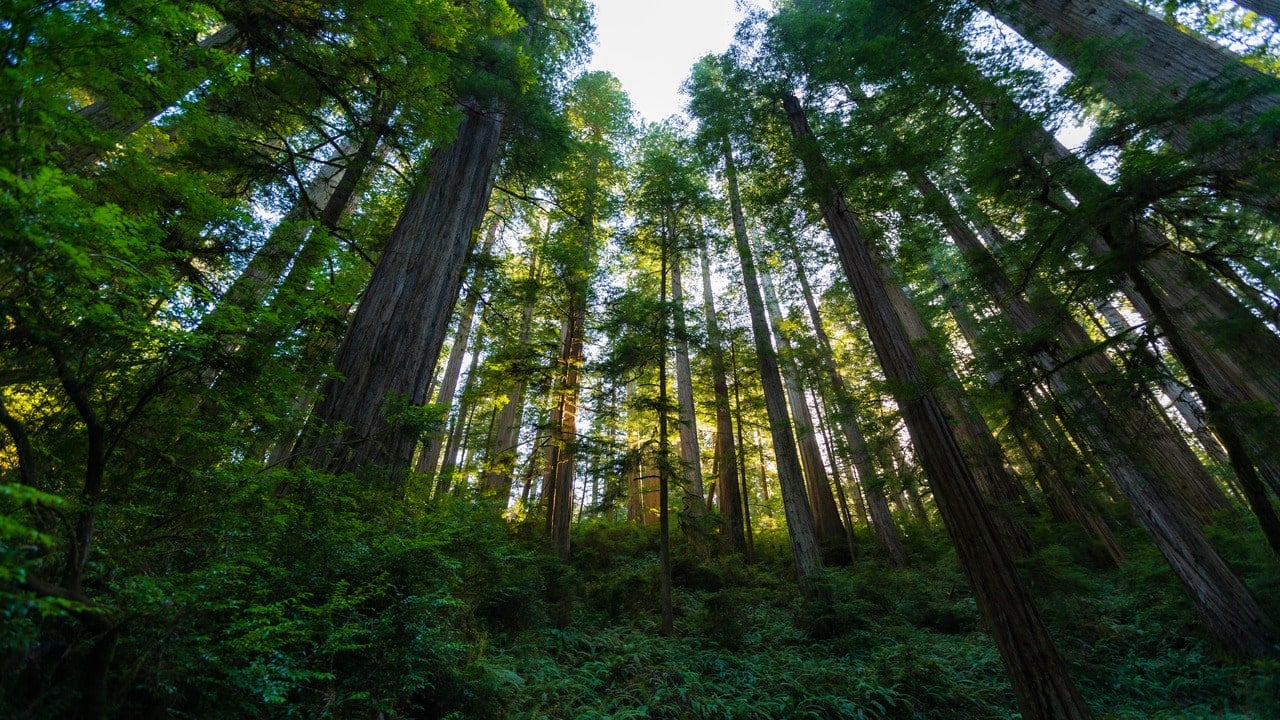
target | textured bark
x=800, y=529
x=690, y=456
x=831, y=532
x=870, y=481
x=1233, y=356
x=731, y=491
x=429, y=458
x=1134, y=58
x=1040, y=675
x=983, y=453
x=389, y=353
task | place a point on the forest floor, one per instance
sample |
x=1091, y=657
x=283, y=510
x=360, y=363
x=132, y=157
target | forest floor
x=867, y=641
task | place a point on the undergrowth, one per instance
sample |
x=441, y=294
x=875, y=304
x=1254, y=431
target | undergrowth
x=328, y=601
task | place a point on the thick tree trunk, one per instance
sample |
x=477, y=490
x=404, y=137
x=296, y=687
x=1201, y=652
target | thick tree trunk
x=731, y=492
x=804, y=543
x=1040, y=676
x=1134, y=58
x=690, y=456
x=831, y=532
x=389, y=353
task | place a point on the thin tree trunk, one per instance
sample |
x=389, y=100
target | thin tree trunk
x=731, y=492
x=664, y=460
x=850, y=538
x=429, y=458
x=389, y=353
x=116, y=124
x=868, y=479
x=804, y=543
x=690, y=456
x=564, y=432
x=503, y=452
x=831, y=532
x=1040, y=676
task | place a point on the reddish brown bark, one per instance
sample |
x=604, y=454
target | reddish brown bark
x=388, y=355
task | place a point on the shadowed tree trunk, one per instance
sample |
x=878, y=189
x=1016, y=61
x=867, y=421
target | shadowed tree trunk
x=870, y=481
x=804, y=543
x=388, y=355
x=1040, y=675
x=826, y=517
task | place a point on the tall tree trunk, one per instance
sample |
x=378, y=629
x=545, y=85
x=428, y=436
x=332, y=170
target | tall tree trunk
x=284, y=311
x=690, y=456
x=429, y=458
x=503, y=453
x=822, y=503
x=1040, y=676
x=563, y=452
x=664, y=458
x=1134, y=58
x=871, y=482
x=731, y=492
x=804, y=543
x=389, y=353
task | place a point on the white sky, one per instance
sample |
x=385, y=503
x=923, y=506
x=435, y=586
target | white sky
x=650, y=45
